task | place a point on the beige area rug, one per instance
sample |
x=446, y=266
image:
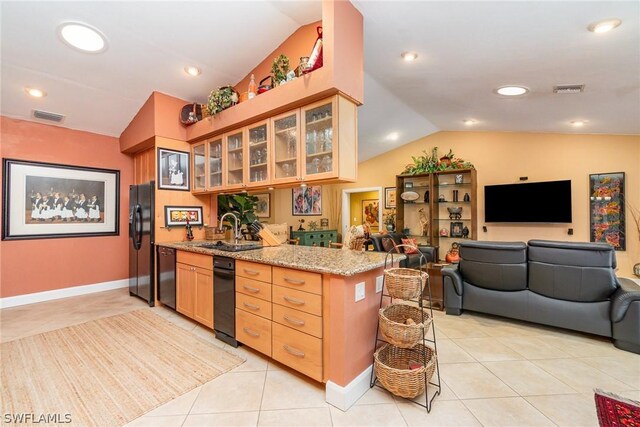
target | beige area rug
x=105, y=372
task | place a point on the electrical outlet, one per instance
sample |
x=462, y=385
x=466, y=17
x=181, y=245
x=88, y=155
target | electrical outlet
x=359, y=291
x=379, y=281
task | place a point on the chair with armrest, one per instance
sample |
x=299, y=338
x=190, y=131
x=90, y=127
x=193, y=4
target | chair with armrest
x=394, y=239
x=353, y=239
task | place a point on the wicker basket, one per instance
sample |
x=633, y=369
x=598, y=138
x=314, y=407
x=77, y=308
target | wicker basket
x=392, y=369
x=393, y=327
x=404, y=283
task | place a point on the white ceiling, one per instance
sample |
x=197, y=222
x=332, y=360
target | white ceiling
x=466, y=49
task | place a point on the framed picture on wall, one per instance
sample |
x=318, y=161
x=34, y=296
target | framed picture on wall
x=389, y=197
x=178, y=215
x=173, y=170
x=606, y=209
x=455, y=230
x=263, y=205
x=47, y=200
x=370, y=212
x=307, y=200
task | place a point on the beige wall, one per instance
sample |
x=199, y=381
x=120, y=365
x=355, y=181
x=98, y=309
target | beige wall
x=503, y=157
x=356, y=205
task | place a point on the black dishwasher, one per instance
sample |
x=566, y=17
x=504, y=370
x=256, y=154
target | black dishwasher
x=224, y=299
x=167, y=276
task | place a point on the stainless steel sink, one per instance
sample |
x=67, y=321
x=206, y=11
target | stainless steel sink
x=231, y=246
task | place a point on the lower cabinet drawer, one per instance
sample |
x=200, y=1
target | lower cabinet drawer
x=297, y=319
x=253, y=305
x=298, y=300
x=297, y=350
x=253, y=331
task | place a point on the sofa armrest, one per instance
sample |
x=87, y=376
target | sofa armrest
x=429, y=252
x=452, y=273
x=622, y=298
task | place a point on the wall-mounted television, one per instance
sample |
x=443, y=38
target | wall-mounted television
x=548, y=202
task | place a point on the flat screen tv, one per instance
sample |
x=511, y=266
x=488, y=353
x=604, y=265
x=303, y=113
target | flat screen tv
x=528, y=202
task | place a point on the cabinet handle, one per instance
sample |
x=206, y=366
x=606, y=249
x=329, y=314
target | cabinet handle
x=251, y=289
x=294, y=301
x=251, y=306
x=293, y=351
x=293, y=321
x=294, y=281
x=250, y=332
x=251, y=272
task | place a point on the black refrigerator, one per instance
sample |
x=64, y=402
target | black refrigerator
x=141, y=223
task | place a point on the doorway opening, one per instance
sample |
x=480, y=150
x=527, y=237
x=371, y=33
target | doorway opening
x=362, y=206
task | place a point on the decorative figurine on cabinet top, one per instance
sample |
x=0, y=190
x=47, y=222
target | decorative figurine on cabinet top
x=453, y=256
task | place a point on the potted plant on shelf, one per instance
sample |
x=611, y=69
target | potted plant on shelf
x=280, y=69
x=221, y=99
x=243, y=206
x=429, y=163
x=389, y=219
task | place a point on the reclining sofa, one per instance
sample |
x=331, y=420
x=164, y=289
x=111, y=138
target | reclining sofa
x=413, y=260
x=568, y=285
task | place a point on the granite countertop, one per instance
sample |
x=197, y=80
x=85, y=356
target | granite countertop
x=317, y=259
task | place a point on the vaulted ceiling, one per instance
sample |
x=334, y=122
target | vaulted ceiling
x=466, y=50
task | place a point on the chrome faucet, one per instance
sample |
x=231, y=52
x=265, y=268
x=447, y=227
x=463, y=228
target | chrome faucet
x=236, y=232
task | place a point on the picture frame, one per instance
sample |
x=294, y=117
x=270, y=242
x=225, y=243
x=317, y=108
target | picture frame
x=459, y=179
x=370, y=213
x=455, y=229
x=263, y=206
x=324, y=222
x=176, y=216
x=173, y=170
x=390, y=197
x=306, y=201
x=408, y=184
x=607, y=223
x=49, y=200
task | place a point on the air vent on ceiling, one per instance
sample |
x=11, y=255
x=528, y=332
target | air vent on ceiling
x=45, y=115
x=568, y=89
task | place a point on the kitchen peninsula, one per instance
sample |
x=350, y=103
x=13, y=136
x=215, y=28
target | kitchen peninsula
x=313, y=309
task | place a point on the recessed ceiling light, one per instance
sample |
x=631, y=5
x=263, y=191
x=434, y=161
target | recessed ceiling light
x=604, y=26
x=469, y=122
x=578, y=123
x=512, y=90
x=36, y=93
x=409, y=56
x=192, y=71
x=393, y=136
x=82, y=37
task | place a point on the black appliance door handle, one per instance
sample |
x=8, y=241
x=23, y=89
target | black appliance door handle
x=137, y=227
x=223, y=274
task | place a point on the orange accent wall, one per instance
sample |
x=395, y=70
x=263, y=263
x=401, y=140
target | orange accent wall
x=28, y=266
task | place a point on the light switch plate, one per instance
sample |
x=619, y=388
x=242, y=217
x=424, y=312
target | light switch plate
x=379, y=281
x=359, y=291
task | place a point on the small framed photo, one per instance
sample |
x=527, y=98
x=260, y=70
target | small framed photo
x=456, y=229
x=47, y=200
x=389, y=197
x=173, y=170
x=459, y=179
x=324, y=222
x=263, y=205
x=408, y=184
x=175, y=216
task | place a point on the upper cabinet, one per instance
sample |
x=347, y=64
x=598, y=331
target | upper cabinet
x=199, y=168
x=315, y=143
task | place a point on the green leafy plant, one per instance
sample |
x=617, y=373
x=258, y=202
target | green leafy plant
x=242, y=206
x=389, y=218
x=429, y=163
x=279, y=69
x=221, y=99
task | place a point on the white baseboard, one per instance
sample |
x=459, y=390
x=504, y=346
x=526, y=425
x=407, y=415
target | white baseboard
x=62, y=293
x=344, y=397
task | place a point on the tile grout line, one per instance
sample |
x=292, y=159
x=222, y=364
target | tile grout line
x=264, y=386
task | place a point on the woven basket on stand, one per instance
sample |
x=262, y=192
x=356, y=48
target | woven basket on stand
x=404, y=283
x=394, y=329
x=393, y=369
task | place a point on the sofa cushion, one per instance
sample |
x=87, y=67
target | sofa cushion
x=410, y=250
x=494, y=265
x=581, y=272
x=388, y=244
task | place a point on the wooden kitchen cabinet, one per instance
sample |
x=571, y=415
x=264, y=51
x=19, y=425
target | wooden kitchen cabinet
x=198, y=154
x=285, y=147
x=236, y=153
x=258, y=153
x=215, y=164
x=194, y=286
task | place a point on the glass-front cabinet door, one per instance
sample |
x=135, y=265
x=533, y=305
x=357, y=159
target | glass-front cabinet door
x=258, y=154
x=286, y=147
x=199, y=173
x=215, y=163
x=235, y=166
x=319, y=159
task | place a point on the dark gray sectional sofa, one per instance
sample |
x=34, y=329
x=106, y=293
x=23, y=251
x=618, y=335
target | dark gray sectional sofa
x=563, y=284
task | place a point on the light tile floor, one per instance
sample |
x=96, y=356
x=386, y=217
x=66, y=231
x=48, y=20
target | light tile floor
x=494, y=371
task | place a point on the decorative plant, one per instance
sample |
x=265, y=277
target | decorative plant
x=279, y=69
x=221, y=99
x=389, y=217
x=242, y=206
x=429, y=163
